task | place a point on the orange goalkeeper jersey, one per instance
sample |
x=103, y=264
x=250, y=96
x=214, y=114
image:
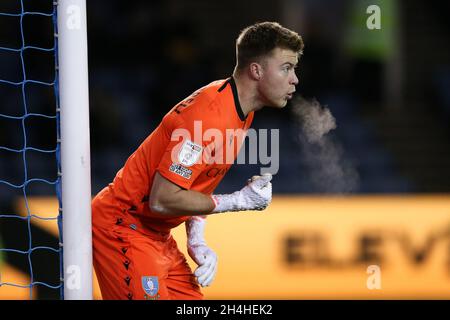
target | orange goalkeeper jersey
x=193, y=147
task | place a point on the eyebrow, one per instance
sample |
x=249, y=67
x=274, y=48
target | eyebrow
x=290, y=64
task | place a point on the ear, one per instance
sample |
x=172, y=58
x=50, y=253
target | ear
x=256, y=71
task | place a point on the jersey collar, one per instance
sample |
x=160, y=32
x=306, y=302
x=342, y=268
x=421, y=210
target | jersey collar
x=237, y=104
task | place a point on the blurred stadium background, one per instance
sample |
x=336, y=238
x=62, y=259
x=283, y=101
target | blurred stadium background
x=388, y=90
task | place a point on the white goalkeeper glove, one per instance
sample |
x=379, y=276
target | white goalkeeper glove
x=256, y=195
x=205, y=258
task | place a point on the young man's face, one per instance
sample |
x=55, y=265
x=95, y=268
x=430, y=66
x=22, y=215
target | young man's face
x=278, y=80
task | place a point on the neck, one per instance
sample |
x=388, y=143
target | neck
x=247, y=93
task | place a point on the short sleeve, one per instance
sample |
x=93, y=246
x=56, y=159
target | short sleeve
x=182, y=161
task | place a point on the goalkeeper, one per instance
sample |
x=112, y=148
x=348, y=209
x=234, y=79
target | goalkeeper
x=171, y=177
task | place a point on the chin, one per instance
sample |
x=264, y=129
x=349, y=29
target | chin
x=282, y=104
x=278, y=104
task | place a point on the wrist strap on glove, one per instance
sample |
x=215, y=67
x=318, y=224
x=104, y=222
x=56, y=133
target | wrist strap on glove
x=226, y=202
x=195, y=228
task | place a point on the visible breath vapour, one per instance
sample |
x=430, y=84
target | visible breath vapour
x=323, y=156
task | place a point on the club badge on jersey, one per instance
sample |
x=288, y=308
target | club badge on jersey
x=150, y=285
x=189, y=153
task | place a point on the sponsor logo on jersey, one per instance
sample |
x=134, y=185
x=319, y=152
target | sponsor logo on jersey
x=180, y=170
x=214, y=172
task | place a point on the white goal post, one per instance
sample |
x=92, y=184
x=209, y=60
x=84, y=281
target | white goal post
x=75, y=149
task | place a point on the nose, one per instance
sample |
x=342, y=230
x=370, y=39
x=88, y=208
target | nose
x=294, y=79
